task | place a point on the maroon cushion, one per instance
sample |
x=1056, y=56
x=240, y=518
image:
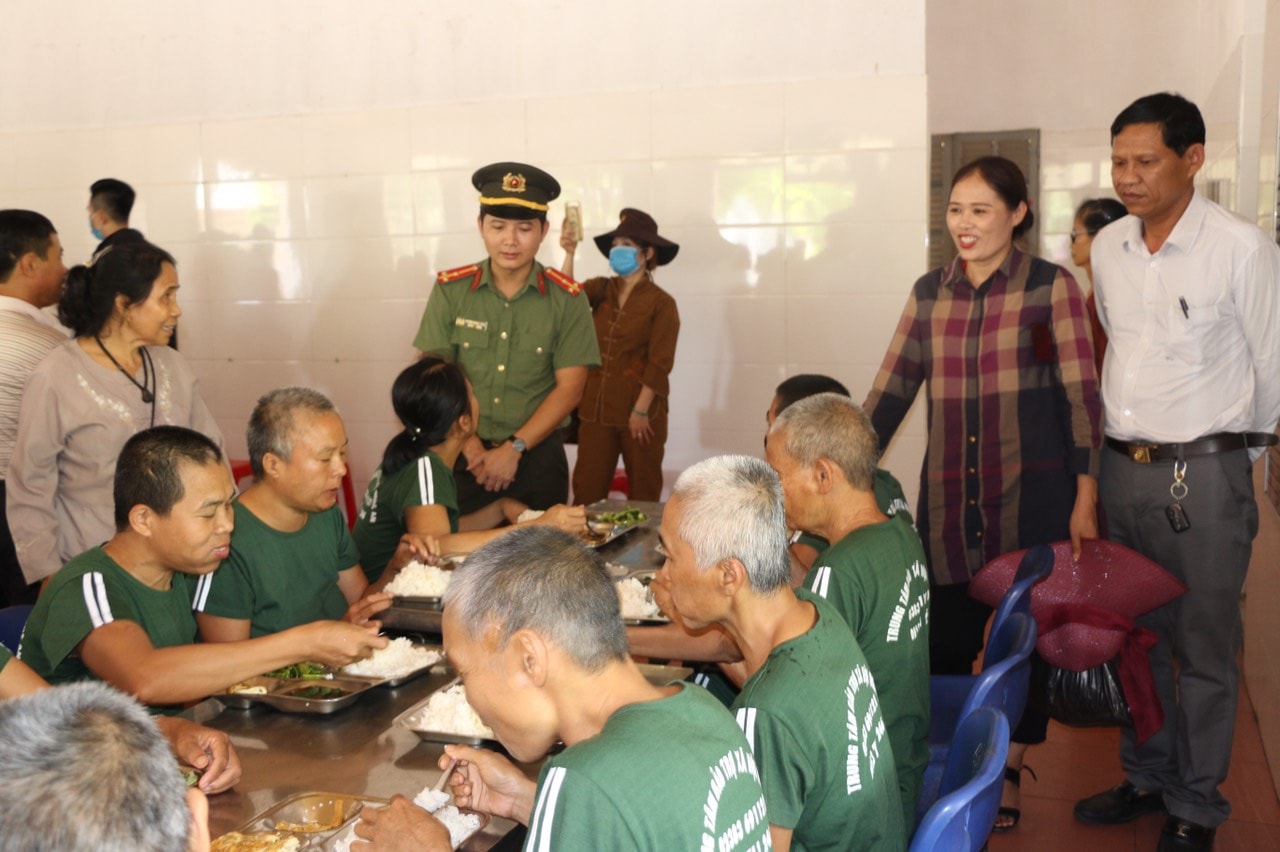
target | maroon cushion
x=1109, y=577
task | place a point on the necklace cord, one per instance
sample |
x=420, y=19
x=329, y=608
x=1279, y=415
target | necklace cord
x=148, y=385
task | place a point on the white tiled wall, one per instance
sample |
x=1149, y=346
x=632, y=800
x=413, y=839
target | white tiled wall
x=309, y=166
x=1076, y=82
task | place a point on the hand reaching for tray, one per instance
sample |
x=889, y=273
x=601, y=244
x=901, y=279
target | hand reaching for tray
x=336, y=643
x=362, y=611
x=486, y=781
x=571, y=519
x=206, y=749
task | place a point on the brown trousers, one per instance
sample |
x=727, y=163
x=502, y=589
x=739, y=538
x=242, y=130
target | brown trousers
x=598, y=450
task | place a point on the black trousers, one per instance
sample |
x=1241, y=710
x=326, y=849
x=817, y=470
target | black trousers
x=542, y=479
x=14, y=588
x=957, y=623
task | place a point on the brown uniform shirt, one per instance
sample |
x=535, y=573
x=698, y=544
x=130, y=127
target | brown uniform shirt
x=637, y=347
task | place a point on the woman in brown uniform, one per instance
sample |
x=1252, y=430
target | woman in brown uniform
x=624, y=406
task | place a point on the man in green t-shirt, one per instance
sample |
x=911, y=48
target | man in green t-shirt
x=806, y=545
x=532, y=626
x=525, y=337
x=292, y=559
x=825, y=452
x=122, y=612
x=809, y=705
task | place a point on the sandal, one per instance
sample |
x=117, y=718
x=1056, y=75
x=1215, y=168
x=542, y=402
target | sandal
x=1014, y=777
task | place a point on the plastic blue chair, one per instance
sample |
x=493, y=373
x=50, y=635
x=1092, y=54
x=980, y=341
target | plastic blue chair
x=1036, y=566
x=1002, y=685
x=963, y=815
x=12, y=620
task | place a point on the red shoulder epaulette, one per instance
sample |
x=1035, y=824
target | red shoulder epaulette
x=565, y=283
x=471, y=269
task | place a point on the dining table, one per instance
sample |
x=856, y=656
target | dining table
x=360, y=750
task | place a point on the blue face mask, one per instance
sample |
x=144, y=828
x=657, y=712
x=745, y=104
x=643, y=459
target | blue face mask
x=624, y=260
x=97, y=235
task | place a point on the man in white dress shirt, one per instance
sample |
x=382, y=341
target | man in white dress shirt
x=31, y=276
x=1190, y=298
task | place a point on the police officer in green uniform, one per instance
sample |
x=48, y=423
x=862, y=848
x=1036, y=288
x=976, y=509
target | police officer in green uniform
x=524, y=335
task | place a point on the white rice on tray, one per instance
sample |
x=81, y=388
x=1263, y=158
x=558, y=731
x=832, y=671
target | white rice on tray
x=418, y=580
x=460, y=825
x=636, y=600
x=399, y=658
x=447, y=712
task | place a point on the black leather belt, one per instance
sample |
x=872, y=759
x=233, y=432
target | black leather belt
x=1219, y=442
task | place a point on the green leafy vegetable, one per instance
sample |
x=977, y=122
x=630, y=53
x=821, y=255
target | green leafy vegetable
x=304, y=671
x=317, y=692
x=625, y=518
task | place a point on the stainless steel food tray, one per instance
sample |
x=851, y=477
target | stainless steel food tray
x=409, y=718
x=644, y=577
x=398, y=680
x=330, y=813
x=413, y=614
x=281, y=694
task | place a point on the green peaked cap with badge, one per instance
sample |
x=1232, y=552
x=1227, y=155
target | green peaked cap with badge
x=515, y=190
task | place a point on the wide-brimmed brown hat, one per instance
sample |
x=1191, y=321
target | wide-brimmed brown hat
x=639, y=226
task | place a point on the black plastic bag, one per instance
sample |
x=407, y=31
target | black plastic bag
x=1091, y=698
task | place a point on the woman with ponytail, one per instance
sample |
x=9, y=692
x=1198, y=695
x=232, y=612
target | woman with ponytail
x=88, y=396
x=413, y=490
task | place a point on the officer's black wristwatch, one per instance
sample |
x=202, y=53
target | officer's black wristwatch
x=519, y=445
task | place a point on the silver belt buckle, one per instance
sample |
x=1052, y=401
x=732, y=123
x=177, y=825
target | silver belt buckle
x=1141, y=453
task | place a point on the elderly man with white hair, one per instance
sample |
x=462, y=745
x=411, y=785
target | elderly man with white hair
x=809, y=705
x=532, y=626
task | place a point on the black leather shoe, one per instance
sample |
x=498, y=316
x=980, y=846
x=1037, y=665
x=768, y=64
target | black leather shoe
x=1122, y=803
x=1179, y=835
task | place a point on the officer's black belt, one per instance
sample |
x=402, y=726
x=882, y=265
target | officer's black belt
x=1219, y=442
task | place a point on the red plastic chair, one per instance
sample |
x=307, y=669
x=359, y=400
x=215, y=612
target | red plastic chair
x=619, y=482
x=242, y=469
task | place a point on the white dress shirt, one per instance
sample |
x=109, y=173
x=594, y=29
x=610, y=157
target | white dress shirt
x=1193, y=329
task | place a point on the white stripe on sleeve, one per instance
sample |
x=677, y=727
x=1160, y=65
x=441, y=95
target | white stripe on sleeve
x=426, y=482
x=746, y=717
x=821, y=580
x=202, y=591
x=100, y=589
x=544, y=813
x=95, y=599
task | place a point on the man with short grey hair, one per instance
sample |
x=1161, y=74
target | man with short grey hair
x=83, y=767
x=292, y=557
x=532, y=626
x=825, y=451
x=829, y=783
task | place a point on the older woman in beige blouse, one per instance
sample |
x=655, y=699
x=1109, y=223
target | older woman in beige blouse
x=116, y=377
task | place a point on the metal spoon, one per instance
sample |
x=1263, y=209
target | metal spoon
x=444, y=776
